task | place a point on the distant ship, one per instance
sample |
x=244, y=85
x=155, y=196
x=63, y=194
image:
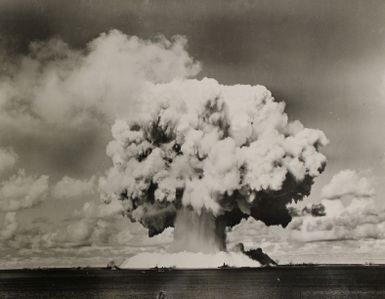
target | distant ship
x=112, y=266
x=162, y=269
x=225, y=266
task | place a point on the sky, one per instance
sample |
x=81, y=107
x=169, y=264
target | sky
x=324, y=59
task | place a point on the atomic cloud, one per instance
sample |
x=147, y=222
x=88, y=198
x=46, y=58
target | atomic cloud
x=200, y=156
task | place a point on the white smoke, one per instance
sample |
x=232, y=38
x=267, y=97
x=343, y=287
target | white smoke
x=21, y=191
x=347, y=183
x=70, y=188
x=59, y=85
x=95, y=224
x=257, y=127
x=17, y=192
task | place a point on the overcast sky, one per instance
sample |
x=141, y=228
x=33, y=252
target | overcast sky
x=325, y=59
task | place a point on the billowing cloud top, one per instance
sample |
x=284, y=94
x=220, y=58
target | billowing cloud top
x=60, y=85
x=226, y=150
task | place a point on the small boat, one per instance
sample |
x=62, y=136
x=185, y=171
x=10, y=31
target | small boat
x=224, y=266
x=112, y=266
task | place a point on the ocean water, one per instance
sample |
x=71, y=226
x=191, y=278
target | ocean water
x=279, y=282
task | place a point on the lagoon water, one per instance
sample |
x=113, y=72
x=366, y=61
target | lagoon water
x=279, y=282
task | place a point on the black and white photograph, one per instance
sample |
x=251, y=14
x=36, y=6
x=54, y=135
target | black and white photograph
x=170, y=149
